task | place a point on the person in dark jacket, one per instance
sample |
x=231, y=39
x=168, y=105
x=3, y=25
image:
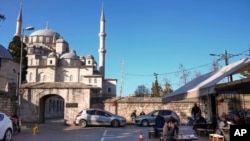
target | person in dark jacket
x=170, y=129
x=195, y=111
x=159, y=123
x=237, y=120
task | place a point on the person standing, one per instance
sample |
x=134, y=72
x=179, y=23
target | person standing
x=133, y=115
x=159, y=123
x=142, y=113
x=195, y=111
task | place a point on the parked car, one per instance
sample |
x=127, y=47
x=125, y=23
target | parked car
x=149, y=119
x=6, y=129
x=95, y=116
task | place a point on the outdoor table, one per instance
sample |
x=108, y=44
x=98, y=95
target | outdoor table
x=204, y=128
x=185, y=138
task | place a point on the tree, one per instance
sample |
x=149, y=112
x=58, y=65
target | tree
x=15, y=50
x=183, y=74
x=141, y=90
x=2, y=17
x=196, y=74
x=215, y=65
x=156, y=89
x=167, y=87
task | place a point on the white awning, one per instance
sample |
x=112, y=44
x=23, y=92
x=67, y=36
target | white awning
x=206, y=83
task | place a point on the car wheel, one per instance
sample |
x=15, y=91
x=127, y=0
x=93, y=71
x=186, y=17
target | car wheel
x=115, y=123
x=83, y=123
x=144, y=123
x=7, y=135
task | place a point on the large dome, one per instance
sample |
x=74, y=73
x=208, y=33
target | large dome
x=4, y=53
x=45, y=32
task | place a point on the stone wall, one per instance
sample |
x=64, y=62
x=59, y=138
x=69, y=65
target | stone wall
x=7, y=106
x=125, y=106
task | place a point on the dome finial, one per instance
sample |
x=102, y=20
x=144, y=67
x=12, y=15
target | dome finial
x=47, y=25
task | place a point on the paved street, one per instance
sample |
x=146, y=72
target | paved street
x=59, y=132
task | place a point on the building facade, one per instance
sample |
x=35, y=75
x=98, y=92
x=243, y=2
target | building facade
x=60, y=83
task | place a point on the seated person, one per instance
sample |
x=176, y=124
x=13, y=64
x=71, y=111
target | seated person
x=237, y=120
x=222, y=123
x=199, y=119
x=159, y=123
x=170, y=129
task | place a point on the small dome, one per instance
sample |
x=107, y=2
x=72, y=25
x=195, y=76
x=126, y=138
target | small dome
x=45, y=32
x=4, y=53
x=52, y=54
x=90, y=57
x=60, y=40
x=69, y=55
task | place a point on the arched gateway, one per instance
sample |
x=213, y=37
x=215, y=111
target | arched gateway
x=52, y=100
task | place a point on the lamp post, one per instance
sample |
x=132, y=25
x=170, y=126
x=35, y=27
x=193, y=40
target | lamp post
x=20, y=67
x=226, y=57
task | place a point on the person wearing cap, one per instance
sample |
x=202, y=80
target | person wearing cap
x=170, y=129
x=237, y=120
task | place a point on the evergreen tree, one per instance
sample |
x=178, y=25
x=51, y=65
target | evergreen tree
x=156, y=89
x=168, y=88
x=2, y=17
x=15, y=50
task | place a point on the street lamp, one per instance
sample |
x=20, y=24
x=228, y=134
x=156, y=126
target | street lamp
x=20, y=67
x=226, y=56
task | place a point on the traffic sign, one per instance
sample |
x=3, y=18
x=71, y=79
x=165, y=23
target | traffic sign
x=20, y=91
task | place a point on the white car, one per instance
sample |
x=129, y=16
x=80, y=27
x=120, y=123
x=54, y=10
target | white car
x=6, y=129
x=95, y=116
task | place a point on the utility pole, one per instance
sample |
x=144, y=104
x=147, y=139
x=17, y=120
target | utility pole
x=226, y=57
x=122, y=78
x=156, y=84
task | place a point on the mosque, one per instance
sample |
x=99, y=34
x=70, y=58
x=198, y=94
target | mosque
x=59, y=83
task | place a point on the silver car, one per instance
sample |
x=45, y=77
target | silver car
x=149, y=119
x=98, y=117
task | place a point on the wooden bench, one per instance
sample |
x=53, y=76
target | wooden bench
x=151, y=132
x=201, y=131
x=210, y=131
x=216, y=137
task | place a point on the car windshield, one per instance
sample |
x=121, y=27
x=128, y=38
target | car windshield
x=155, y=113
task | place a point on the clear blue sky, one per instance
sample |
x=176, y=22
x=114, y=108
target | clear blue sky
x=150, y=36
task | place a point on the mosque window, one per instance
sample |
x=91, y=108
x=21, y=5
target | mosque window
x=47, y=39
x=95, y=80
x=89, y=62
x=44, y=78
x=71, y=78
x=50, y=62
x=109, y=90
x=40, y=39
x=31, y=61
x=89, y=80
x=30, y=77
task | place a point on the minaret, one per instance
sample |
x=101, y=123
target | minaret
x=19, y=23
x=102, y=50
